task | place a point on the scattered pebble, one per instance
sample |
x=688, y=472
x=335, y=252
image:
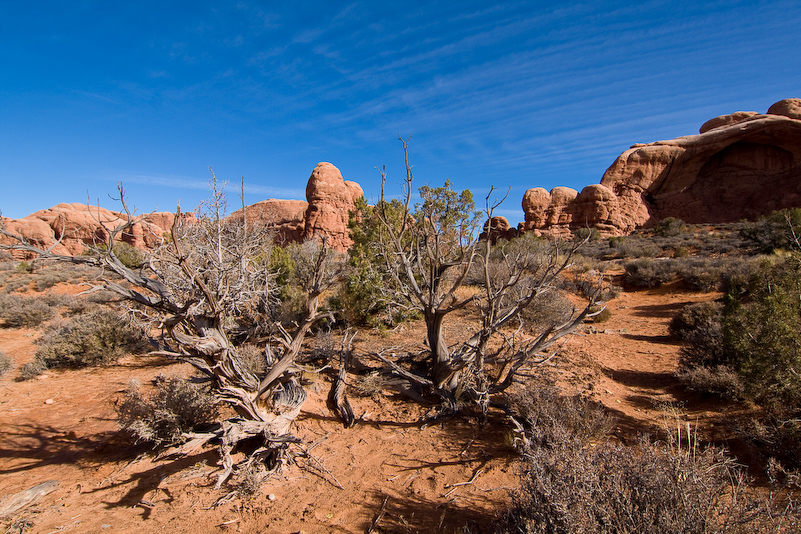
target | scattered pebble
x=42, y=377
x=271, y=496
x=49, y=401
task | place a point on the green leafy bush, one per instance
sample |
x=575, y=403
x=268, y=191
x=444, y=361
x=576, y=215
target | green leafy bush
x=750, y=347
x=777, y=231
x=175, y=407
x=669, y=227
x=293, y=267
x=365, y=295
x=95, y=338
x=129, y=255
x=762, y=333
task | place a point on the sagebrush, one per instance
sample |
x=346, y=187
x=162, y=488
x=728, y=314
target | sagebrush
x=163, y=417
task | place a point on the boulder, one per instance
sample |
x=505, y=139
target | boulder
x=330, y=200
x=285, y=218
x=498, y=228
x=596, y=207
x=790, y=107
x=726, y=120
x=535, y=208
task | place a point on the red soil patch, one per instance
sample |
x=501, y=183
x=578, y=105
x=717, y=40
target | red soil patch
x=107, y=484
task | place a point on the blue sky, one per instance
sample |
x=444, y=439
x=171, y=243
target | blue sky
x=510, y=94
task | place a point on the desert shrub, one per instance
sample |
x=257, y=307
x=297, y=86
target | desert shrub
x=700, y=274
x=176, y=406
x=548, y=308
x=7, y=262
x=779, y=230
x=570, y=487
x=66, y=304
x=102, y=296
x=602, y=316
x=585, y=264
x=587, y=234
x=24, y=267
x=129, y=255
x=670, y=227
x=6, y=363
x=32, y=369
x=720, y=380
x=634, y=247
x=47, y=280
x=574, y=480
x=16, y=285
x=17, y=311
x=95, y=338
x=681, y=252
x=50, y=275
x=777, y=434
x=762, y=332
x=545, y=416
x=750, y=347
x=713, y=274
x=69, y=304
x=649, y=272
x=251, y=358
x=700, y=327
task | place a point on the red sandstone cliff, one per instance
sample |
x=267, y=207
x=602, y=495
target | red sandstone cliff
x=739, y=166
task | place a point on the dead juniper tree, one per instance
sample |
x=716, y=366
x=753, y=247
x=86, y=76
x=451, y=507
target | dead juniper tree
x=208, y=289
x=430, y=252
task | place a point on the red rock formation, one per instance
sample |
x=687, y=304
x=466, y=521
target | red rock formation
x=286, y=218
x=71, y=228
x=740, y=166
x=790, y=107
x=535, y=207
x=596, y=206
x=330, y=199
x=726, y=120
x=498, y=228
x=77, y=226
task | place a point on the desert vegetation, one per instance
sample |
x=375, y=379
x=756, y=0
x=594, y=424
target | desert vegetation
x=746, y=344
x=484, y=327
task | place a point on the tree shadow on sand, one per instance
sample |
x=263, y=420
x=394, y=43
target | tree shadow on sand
x=410, y=514
x=28, y=446
x=667, y=311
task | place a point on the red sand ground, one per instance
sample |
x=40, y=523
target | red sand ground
x=107, y=484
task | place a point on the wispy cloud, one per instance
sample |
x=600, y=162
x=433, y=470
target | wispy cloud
x=183, y=182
